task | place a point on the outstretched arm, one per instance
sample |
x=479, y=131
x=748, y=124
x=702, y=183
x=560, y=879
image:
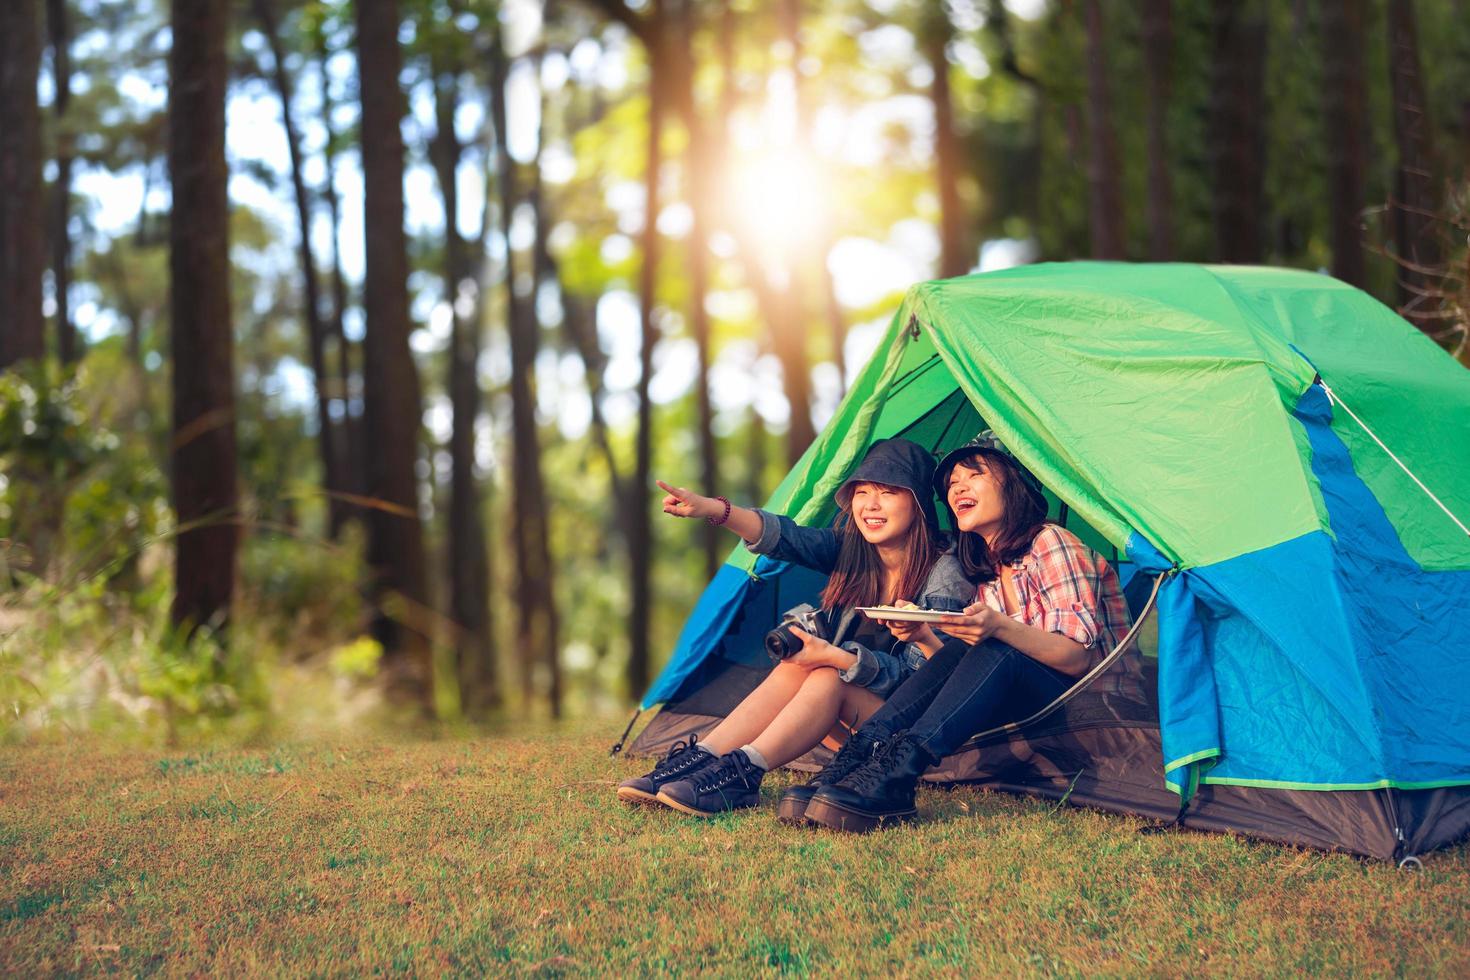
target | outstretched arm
x=686, y=503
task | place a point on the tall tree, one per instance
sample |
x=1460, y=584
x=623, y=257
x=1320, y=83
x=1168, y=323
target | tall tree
x=353, y=463
x=469, y=585
x=537, y=627
x=698, y=166
x=935, y=33
x=651, y=29
x=1345, y=127
x=205, y=489
x=640, y=543
x=1416, y=200
x=1237, y=127
x=311, y=313
x=58, y=21
x=22, y=245
x=1104, y=177
x=788, y=311
x=1158, y=62
x=390, y=379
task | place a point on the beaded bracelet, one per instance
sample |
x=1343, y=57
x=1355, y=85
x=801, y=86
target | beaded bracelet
x=723, y=517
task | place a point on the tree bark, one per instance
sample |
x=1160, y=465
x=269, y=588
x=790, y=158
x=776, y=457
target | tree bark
x=640, y=544
x=536, y=620
x=469, y=587
x=390, y=379
x=1237, y=128
x=1103, y=166
x=352, y=454
x=59, y=24
x=698, y=167
x=789, y=322
x=1344, y=118
x=1415, y=204
x=1158, y=59
x=937, y=32
x=311, y=312
x=22, y=242
x=205, y=488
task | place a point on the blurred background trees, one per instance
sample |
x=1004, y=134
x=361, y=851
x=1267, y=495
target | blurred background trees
x=342, y=339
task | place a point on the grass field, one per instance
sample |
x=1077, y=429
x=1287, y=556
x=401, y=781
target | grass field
x=511, y=856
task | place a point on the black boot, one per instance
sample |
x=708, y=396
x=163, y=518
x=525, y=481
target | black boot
x=879, y=793
x=858, y=748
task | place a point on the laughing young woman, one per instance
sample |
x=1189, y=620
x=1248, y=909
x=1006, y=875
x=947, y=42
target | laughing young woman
x=886, y=548
x=1048, y=609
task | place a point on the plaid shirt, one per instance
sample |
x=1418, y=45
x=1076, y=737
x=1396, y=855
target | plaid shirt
x=1065, y=587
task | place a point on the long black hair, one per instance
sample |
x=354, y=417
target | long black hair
x=1020, y=523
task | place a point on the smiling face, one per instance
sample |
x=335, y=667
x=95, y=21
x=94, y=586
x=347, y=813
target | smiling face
x=883, y=514
x=976, y=495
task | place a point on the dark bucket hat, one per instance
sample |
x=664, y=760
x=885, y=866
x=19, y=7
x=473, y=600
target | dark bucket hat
x=897, y=463
x=985, y=442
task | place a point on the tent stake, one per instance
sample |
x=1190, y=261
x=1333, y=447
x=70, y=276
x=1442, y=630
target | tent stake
x=631, y=722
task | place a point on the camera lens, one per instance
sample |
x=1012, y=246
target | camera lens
x=780, y=643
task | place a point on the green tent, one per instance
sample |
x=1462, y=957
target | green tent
x=1295, y=460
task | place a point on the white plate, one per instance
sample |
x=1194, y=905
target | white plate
x=904, y=615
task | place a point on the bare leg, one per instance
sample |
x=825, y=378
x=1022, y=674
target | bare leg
x=812, y=714
x=758, y=710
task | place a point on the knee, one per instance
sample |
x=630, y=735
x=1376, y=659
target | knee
x=826, y=680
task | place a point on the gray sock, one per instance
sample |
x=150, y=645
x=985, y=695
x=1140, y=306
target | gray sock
x=704, y=748
x=753, y=754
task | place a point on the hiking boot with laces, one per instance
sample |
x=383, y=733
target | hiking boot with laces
x=683, y=759
x=732, y=783
x=878, y=793
x=858, y=748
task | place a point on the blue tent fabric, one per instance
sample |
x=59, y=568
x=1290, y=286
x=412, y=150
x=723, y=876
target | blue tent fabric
x=707, y=624
x=1359, y=695
x=715, y=624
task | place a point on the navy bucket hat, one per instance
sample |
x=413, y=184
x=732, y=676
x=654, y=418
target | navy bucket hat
x=985, y=443
x=896, y=463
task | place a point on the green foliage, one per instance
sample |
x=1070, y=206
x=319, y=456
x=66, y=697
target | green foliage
x=357, y=660
x=305, y=588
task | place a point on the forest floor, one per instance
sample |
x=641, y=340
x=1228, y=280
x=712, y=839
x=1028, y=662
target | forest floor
x=510, y=855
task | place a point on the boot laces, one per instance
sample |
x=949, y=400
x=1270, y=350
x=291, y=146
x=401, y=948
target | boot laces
x=733, y=768
x=680, y=757
x=850, y=756
x=875, y=769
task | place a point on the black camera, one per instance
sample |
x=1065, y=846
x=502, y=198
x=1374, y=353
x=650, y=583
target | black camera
x=782, y=643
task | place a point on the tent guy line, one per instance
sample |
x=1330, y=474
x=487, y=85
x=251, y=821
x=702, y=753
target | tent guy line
x=1332, y=397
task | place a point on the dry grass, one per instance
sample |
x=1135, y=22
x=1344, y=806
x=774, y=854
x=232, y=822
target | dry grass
x=511, y=855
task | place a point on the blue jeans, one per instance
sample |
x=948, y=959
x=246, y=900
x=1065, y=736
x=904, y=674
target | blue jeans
x=964, y=690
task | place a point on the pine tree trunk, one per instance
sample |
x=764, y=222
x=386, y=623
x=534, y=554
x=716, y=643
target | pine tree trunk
x=937, y=31
x=469, y=588
x=789, y=322
x=22, y=241
x=1237, y=128
x=1416, y=199
x=698, y=166
x=640, y=544
x=351, y=454
x=59, y=24
x=1158, y=57
x=390, y=378
x=536, y=619
x=205, y=491
x=1344, y=119
x=1103, y=167
x=311, y=298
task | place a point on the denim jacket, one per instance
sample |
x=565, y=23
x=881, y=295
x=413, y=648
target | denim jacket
x=817, y=548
